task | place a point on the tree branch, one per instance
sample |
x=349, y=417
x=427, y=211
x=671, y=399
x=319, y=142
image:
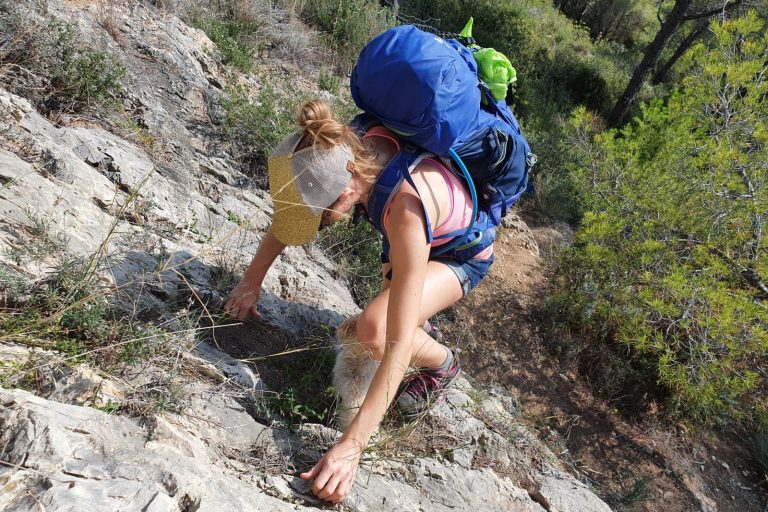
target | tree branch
x=707, y=14
x=752, y=278
x=750, y=275
x=661, y=73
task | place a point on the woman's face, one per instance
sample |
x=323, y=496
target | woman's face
x=336, y=212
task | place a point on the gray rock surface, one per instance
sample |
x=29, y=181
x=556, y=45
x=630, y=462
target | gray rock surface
x=66, y=457
x=115, y=193
x=160, y=219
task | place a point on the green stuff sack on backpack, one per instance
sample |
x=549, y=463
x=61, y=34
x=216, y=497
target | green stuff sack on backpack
x=494, y=68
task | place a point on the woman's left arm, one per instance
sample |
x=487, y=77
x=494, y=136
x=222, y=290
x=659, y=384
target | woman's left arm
x=409, y=255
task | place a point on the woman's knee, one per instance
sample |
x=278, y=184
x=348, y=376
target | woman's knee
x=371, y=332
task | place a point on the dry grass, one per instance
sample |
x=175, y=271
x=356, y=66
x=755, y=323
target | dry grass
x=107, y=19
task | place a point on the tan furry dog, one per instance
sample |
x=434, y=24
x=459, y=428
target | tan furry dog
x=352, y=373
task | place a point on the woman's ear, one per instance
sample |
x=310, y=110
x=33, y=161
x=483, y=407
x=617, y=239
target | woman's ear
x=349, y=194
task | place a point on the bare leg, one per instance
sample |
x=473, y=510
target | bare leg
x=363, y=339
x=441, y=289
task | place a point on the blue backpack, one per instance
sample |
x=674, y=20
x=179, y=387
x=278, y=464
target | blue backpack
x=426, y=89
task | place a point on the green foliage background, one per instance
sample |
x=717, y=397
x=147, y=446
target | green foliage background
x=670, y=260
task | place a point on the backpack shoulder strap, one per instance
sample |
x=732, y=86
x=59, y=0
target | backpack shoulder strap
x=388, y=183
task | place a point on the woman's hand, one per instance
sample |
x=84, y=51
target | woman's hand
x=243, y=299
x=335, y=474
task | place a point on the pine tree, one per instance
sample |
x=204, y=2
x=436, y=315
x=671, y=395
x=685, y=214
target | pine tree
x=671, y=258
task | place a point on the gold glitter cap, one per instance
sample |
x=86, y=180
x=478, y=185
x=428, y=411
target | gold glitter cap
x=303, y=184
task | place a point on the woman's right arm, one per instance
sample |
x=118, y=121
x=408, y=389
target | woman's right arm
x=244, y=297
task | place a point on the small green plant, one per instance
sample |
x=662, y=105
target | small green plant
x=111, y=407
x=226, y=272
x=13, y=287
x=138, y=133
x=760, y=452
x=288, y=405
x=66, y=311
x=357, y=251
x=142, y=344
x=306, y=394
x=236, y=219
x=17, y=375
x=328, y=81
x=640, y=491
x=166, y=397
x=193, y=227
x=232, y=39
x=39, y=240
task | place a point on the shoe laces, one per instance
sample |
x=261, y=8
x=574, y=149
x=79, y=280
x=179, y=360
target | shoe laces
x=423, y=384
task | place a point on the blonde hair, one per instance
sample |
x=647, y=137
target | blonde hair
x=320, y=127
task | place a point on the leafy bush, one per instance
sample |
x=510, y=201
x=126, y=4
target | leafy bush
x=232, y=38
x=89, y=78
x=623, y=21
x=45, y=62
x=254, y=127
x=64, y=311
x=670, y=260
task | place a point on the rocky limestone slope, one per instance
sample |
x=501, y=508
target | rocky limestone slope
x=161, y=221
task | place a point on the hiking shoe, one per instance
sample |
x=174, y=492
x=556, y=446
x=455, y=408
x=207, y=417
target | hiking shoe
x=424, y=388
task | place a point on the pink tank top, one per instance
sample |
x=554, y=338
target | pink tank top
x=460, y=212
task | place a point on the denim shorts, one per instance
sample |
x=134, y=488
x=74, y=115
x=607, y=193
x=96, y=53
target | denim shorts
x=470, y=273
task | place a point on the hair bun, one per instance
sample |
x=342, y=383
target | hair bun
x=313, y=113
x=316, y=120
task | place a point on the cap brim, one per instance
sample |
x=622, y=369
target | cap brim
x=293, y=223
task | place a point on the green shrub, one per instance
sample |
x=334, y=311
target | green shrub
x=357, y=251
x=65, y=74
x=254, y=127
x=232, y=39
x=328, y=81
x=65, y=311
x=623, y=21
x=91, y=78
x=670, y=261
